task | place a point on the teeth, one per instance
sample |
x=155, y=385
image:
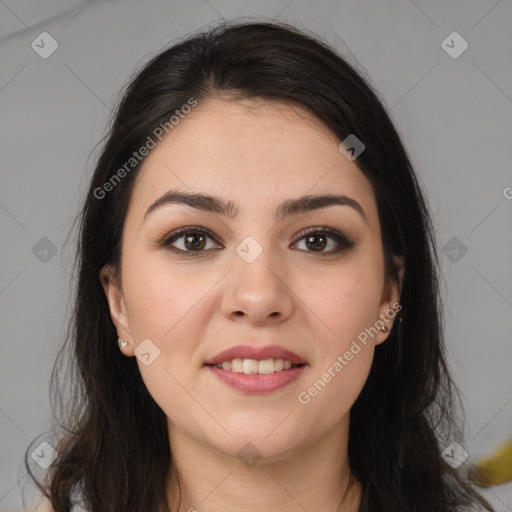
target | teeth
x=249, y=366
x=266, y=366
x=252, y=366
x=236, y=365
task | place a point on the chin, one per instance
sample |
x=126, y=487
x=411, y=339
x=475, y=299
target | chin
x=251, y=450
x=268, y=444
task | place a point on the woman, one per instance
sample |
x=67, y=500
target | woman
x=257, y=321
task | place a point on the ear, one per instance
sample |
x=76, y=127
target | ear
x=117, y=307
x=390, y=298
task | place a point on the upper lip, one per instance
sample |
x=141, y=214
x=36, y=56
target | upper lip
x=259, y=353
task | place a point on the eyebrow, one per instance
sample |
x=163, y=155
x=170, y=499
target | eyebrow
x=213, y=204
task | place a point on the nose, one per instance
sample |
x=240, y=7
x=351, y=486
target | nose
x=258, y=293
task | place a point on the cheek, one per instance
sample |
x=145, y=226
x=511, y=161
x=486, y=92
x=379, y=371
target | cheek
x=346, y=351
x=332, y=390
x=347, y=302
x=158, y=296
x=161, y=308
x=336, y=390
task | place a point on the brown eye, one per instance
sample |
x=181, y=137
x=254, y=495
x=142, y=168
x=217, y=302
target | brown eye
x=316, y=240
x=192, y=240
x=195, y=242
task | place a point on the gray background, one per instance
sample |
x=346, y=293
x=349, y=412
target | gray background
x=454, y=115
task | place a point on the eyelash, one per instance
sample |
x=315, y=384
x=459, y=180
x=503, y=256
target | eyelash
x=340, y=238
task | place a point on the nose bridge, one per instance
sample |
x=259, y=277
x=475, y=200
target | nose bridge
x=257, y=283
x=256, y=264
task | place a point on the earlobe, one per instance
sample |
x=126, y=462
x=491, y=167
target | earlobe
x=117, y=305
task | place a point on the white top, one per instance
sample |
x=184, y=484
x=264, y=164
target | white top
x=77, y=500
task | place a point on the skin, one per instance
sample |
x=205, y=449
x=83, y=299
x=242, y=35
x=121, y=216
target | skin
x=257, y=154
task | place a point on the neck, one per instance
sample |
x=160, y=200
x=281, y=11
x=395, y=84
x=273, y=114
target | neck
x=314, y=477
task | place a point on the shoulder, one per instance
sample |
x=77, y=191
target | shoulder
x=43, y=505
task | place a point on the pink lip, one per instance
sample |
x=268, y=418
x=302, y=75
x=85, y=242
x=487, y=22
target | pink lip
x=255, y=383
x=259, y=353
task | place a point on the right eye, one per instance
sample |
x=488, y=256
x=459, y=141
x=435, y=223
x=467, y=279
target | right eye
x=192, y=238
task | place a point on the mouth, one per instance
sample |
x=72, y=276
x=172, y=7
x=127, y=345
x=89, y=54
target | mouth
x=256, y=370
x=255, y=366
x=250, y=358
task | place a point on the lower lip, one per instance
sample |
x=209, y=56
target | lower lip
x=258, y=383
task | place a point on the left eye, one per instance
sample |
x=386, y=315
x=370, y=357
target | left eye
x=195, y=240
x=318, y=240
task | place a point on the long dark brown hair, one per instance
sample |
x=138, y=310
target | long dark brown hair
x=112, y=438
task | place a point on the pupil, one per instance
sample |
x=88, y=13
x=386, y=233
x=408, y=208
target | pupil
x=190, y=239
x=317, y=246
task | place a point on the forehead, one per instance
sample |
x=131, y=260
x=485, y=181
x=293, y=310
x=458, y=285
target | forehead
x=251, y=152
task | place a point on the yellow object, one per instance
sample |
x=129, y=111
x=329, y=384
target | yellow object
x=495, y=469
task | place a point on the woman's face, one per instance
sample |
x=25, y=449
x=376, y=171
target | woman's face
x=246, y=275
